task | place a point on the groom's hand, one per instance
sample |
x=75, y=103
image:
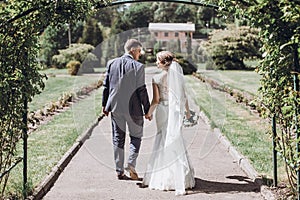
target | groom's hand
x=149, y=117
x=105, y=112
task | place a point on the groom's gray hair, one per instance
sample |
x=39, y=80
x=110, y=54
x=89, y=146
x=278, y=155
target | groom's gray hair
x=132, y=44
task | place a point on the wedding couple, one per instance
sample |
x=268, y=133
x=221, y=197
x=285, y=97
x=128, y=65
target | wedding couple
x=125, y=96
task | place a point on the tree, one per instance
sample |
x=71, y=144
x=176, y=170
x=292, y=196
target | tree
x=165, y=12
x=119, y=24
x=205, y=14
x=55, y=38
x=138, y=15
x=185, y=13
x=228, y=48
x=189, y=46
x=178, y=46
x=101, y=16
x=91, y=33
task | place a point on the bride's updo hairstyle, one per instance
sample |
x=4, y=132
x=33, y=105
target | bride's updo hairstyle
x=165, y=58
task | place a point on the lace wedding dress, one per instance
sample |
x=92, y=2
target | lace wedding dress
x=169, y=167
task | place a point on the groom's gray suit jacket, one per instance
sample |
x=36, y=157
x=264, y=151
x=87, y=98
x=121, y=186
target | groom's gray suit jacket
x=124, y=87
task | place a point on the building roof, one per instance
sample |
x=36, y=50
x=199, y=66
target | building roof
x=172, y=27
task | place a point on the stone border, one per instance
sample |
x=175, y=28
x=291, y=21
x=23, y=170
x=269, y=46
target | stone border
x=242, y=161
x=41, y=190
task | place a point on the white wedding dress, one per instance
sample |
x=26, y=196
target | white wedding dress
x=169, y=167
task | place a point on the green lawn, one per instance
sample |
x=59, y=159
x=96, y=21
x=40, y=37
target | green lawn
x=56, y=86
x=50, y=142
x=54, y=71
x=244, y=129
x=241, y=80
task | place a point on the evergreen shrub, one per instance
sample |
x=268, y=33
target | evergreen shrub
x=230, y=47
x=73, y=67
x=76, y=52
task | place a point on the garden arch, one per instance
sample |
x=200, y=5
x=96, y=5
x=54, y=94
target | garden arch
x=20, y=26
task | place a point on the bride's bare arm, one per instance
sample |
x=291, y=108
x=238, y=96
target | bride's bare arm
x=187, y=109
x=154, y=102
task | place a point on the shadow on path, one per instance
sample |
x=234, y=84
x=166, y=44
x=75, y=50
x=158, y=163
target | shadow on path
x=210, y=187
x=205, y=186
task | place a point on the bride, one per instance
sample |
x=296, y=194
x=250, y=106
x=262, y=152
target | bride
x=169, y=167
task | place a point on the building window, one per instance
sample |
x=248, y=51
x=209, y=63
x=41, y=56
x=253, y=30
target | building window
x=156, y=34
x=176, y=34
x=166, y=34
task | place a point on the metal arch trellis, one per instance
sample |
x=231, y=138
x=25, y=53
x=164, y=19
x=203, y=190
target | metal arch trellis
x=97, y=6
x=191, y=2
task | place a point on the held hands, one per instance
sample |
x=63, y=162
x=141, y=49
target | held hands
x=105, y=112
x=149, y=116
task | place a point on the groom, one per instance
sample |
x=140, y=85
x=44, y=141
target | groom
x=125, y=96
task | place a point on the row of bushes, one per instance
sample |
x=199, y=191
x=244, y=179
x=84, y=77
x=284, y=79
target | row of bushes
x=36, y=117
x=240, y=97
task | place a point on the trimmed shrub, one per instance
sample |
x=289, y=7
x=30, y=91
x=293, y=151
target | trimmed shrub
x=188, y=67
x=229, y=48
x=73, y=67
x=76, y=52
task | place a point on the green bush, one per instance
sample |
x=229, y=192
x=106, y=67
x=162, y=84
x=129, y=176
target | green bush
x=150, y=59
x=229, y=48
x=188, y=67
x=76, y=52
x=73, y=67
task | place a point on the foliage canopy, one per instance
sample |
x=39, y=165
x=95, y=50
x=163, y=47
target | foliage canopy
x=279, y=21
x=21, y=23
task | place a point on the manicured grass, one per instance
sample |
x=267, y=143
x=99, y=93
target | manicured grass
x=245, y=130
x=237, y=79
x=241, y=80
x=49, y=142
x=56, y=86
x=54, y=72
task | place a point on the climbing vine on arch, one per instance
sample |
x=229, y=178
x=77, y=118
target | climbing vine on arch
x=21, y=23
x=279, y=23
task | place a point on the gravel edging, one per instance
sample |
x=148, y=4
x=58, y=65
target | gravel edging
x=41, y=190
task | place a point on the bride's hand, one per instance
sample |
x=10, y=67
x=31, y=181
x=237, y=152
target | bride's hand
x=188, y=114
x=148, y=116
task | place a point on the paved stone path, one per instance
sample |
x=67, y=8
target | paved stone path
x=90, y=175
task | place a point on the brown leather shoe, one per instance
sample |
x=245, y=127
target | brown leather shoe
x=132, y=172
x=122, y=177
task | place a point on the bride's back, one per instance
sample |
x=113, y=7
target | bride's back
x=161, y=80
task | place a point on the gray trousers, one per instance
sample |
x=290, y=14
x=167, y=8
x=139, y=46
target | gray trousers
x=135, y=126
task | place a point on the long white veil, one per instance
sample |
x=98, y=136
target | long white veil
x=177, y=99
